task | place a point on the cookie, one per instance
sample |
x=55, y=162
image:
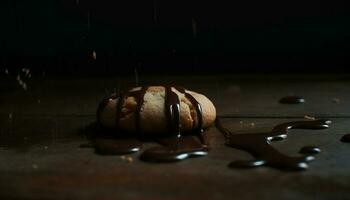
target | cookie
x=157, y=109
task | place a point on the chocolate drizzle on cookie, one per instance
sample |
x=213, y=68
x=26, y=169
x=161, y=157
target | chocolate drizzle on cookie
x=172, y=110
x=176, y=146
x=258, y=144
x=198, y=108
x=119, y=109
x=139, y=96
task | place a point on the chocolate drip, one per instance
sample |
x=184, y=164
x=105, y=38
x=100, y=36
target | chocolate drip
x=198, y=107
x=112, y=146
x=139, y=97
x=346, y=138
x=115, y=146
x=177, y=147
x=172, y=110
x=258, y=144
x=119, y=106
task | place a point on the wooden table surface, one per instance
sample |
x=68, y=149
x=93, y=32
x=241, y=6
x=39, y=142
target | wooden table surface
x=42, y=128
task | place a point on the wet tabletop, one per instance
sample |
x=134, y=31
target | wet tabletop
x=43, y=126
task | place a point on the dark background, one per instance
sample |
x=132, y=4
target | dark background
x=60, y=36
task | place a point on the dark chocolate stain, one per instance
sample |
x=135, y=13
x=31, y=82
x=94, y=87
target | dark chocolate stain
x=175, y=149
x=111, y=141
x=258, y=144
x=310, y=150
x=292, y=100
x=345, y=138
x=246, y=163
x=109, y=146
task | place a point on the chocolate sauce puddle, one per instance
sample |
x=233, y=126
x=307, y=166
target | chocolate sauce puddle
x=292, y=100
x=310, y=150
x=174, y=149
x=106, y=142
x=177, y=146
x=258, y=144
x=345, y=138
x=116, y=146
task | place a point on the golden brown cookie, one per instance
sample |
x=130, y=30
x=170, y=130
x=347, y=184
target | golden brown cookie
x=153, y=110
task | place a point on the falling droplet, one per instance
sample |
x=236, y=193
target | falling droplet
x=21, y=82
x=155, y=12
x=194, y=27
x=94, y=55
x=88, y=21
x=27, y=71
x=24, y=85
x=136, y=76
x=6, y=71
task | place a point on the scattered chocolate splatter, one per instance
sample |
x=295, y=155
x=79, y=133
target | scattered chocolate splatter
x=258, y=144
